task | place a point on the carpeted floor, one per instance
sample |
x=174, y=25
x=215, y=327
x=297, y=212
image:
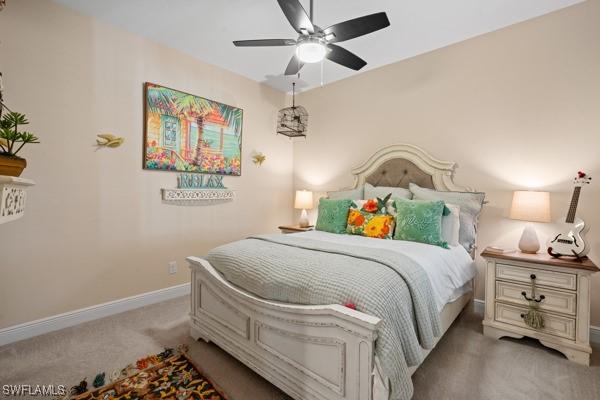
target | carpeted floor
x=465, y=364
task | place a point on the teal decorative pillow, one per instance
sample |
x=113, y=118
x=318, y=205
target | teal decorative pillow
x=419, y=221
x=470, y=204
x=333, y=215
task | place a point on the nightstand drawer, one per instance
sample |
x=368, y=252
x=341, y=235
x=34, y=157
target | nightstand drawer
x=554, y=301
x=542, y=277
x=553, y=324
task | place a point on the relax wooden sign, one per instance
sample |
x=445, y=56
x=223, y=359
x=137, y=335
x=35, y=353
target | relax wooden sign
x=200, y=181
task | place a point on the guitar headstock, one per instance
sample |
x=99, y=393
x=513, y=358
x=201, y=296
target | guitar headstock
x=582, y=179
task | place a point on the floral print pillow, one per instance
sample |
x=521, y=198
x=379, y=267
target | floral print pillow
x=376, y=205
x=368, y=224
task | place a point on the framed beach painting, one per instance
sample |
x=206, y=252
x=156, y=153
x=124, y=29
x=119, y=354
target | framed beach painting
x=188, y=133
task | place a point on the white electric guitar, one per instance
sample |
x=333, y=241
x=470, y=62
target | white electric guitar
x=571, y=241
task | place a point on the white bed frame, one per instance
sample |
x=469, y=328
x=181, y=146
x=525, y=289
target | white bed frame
x=310, y=352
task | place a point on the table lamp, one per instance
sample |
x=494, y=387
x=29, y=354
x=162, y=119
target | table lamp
x=304, y=201
x=530, y=206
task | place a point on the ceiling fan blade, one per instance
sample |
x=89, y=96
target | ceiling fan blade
x=294, y=66
x=264, y=42
x=295, y=13
x=344, y=57
x=356, y=27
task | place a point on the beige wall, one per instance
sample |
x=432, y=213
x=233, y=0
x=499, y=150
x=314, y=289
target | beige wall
x=95, y=228
x=517, y=108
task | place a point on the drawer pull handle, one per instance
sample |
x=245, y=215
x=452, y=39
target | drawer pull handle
x=533, y=277
x=541, y=298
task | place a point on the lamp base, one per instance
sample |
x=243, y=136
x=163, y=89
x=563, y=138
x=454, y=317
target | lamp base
x=303, y=222
x=529, y=242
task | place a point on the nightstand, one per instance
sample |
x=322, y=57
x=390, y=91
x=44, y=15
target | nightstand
x=294, y=228
x=562, y=287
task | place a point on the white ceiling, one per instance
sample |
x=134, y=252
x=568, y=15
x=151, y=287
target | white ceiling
x=205, y=29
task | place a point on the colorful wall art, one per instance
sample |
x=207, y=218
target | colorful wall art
x=188, y=133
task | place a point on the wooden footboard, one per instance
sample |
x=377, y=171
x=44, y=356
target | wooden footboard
x=309, y=352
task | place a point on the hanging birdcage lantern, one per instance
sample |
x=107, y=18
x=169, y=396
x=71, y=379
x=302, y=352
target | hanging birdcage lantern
x=292, y=121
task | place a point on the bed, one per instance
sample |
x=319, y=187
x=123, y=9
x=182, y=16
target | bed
x=330, y=351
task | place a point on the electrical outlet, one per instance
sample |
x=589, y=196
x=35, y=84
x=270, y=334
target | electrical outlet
x=172, y=267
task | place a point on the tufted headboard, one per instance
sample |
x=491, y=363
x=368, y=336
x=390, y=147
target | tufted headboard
x=398, y=165
x=399, y=172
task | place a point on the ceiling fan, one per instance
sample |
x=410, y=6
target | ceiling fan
x=314, y=44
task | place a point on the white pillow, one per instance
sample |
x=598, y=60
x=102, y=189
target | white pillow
x=352, y=194
x=372, y=192
x=359, y=204
x=451, y=225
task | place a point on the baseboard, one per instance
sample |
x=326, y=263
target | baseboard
x=595, y=334
x=34, y=328
x=479, y=306
x=38, y=327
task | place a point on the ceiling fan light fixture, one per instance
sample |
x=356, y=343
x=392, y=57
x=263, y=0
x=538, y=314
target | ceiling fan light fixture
x=315, y=44
x=311, y=51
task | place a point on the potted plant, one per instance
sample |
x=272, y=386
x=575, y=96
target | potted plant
x=12, y=141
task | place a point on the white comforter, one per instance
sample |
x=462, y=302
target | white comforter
x=449, y=270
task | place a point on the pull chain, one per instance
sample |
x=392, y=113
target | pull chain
x=322, y=62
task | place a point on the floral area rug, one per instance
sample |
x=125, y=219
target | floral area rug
x=167, y=376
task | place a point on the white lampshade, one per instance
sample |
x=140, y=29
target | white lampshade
x=311, y=51
x=304, y=200
x=529, y=205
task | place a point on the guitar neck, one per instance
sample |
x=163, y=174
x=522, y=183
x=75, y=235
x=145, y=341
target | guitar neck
x=573, y=206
